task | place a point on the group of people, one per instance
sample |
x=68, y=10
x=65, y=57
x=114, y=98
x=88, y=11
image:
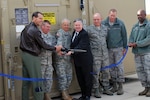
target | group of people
x=104, y=42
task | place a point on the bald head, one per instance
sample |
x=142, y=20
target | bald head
x=141, y=15
x=97, y=19
x=141, y=11
x=97, y=15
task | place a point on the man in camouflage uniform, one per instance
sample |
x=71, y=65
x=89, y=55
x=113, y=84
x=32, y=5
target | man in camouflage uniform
x=116, y=42
x=46, y=59
x=97, y=34
x=63, y=63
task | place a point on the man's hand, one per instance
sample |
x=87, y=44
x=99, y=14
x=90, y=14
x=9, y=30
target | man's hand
x=69, y=53
x=132, y=45
x=124, y=50
x=58, y=48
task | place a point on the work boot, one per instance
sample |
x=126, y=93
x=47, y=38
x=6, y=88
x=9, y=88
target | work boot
x=46, y=96
x=148, y=92
x=114, y=88
x=97, y=93
x=143, y=92
x=66, y=96
x=120, y=89
x=107, y=91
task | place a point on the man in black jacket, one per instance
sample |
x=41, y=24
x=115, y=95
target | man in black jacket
x=83, y=61
x=31, y=44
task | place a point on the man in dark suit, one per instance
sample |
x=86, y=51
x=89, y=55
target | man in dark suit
x=83, y=61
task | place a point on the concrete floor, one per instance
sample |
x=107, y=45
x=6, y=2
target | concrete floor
x=131, y=89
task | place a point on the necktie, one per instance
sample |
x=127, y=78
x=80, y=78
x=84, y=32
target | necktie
x=76, y=34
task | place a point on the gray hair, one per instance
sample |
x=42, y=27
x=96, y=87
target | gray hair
x=78, y=19
x=65, y=20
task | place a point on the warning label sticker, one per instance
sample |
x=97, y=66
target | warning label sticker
x=50, y=17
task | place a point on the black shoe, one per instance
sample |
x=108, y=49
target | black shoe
x=87, y=98
x=81, y=98
x=75, y=99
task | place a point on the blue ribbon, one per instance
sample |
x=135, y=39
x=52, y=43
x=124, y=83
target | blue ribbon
x=119, y=62
x=41, y=79
x=21, y=78
x=114, y=65
x=25, y=79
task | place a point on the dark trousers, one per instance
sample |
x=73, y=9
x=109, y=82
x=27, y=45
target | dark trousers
x=84, y=78
x=31, y=69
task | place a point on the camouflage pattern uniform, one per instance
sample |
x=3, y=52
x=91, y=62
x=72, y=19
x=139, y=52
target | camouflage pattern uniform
x=100, y=54
x=46, y=62
x=116, y=43
x=63, y=63
x=139, y=35
x=117, y=73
